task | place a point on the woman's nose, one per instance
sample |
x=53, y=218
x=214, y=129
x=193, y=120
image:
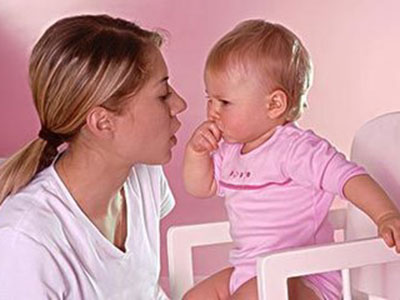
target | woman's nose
x=178, y=103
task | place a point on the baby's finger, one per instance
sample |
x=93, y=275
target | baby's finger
x=207, y=145
x=210, y=138
x=201, y=145
x=387, y=236
x=396, y=236
x=215, y=131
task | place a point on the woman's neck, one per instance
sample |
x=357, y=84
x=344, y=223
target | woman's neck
x=93, y=180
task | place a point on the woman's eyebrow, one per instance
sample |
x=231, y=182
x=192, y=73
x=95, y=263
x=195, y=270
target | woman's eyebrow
x=164, y=79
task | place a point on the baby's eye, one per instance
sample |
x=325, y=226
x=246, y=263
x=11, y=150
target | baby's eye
x=224, y=102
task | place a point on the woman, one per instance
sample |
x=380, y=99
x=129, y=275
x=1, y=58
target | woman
x=83, y=223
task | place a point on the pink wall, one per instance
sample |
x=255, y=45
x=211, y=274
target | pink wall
x=355, y=47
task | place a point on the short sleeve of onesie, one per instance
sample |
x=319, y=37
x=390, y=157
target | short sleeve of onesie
x=313, y=161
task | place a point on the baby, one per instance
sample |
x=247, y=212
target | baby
x=278, y=180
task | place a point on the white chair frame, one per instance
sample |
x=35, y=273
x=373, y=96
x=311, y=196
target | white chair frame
x=303, y=260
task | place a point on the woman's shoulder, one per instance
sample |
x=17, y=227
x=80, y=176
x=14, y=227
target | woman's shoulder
x=151, y=181
x=32, y=211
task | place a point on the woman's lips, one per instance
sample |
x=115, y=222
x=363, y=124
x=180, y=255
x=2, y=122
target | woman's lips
x=174, y=140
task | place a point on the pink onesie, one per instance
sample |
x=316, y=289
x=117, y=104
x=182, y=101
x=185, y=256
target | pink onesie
x=278, y=196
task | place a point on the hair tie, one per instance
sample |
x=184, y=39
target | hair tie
x=51, y=137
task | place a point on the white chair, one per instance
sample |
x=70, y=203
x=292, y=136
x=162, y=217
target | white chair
x=376, y=146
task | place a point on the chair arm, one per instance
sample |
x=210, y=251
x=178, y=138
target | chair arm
x=275, y=268
x=180, y=241
x=337, y=218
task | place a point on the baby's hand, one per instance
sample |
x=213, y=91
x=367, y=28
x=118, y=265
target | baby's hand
x=205, y=138
x=389, y=230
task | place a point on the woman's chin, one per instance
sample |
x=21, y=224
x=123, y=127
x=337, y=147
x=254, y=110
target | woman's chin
x=167, y=158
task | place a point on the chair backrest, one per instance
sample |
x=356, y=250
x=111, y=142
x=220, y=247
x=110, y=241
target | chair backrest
x=376, y=147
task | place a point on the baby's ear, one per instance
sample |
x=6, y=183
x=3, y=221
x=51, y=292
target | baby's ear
x=100, y=122
x=277, y=104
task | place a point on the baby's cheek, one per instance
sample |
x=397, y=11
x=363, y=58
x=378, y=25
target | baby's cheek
x=240, y=128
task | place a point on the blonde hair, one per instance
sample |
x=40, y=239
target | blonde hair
x=79, y=62
x=270, y=51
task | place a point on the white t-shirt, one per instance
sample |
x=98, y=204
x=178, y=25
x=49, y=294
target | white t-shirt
x=50, y=250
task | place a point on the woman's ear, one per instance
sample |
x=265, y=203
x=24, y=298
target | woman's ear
x=100, y=122
x=277, y=104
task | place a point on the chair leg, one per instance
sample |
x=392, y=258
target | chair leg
x=357, y=295
x=346, y=284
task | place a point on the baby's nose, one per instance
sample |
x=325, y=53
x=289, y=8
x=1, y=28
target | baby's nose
x=212, y=113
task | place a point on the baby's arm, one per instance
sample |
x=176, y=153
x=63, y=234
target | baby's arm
x=198, y=167
x=312, y=161
x=367, y=195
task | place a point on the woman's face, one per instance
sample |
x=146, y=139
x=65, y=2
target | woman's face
x=146, y=129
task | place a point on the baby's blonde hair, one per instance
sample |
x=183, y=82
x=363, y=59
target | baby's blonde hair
x=273, y=53
x=79, y=62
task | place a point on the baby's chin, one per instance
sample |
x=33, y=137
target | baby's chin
x=229, y=140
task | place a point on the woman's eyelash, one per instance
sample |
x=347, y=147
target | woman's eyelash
x=166, y=96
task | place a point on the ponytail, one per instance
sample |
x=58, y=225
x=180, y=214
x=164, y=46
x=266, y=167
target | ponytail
x=19, y=169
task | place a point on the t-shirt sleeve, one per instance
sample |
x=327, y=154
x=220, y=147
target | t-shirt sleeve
x=313, y=161
x=167, y=198
x=27, y=269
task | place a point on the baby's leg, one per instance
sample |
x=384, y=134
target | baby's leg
x=215, y=287
x=297, y=290
x=247, y=290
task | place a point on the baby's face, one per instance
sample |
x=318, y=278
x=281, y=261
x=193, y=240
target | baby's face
x=238, y=105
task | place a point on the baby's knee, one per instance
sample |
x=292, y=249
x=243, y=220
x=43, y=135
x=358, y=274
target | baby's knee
x=190, y=295
x=204, y=292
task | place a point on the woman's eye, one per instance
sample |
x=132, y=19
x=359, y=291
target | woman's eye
x=165, y=97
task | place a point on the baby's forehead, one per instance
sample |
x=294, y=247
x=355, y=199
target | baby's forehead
x=238, y=73
x=234, y=84
x=223, y=77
